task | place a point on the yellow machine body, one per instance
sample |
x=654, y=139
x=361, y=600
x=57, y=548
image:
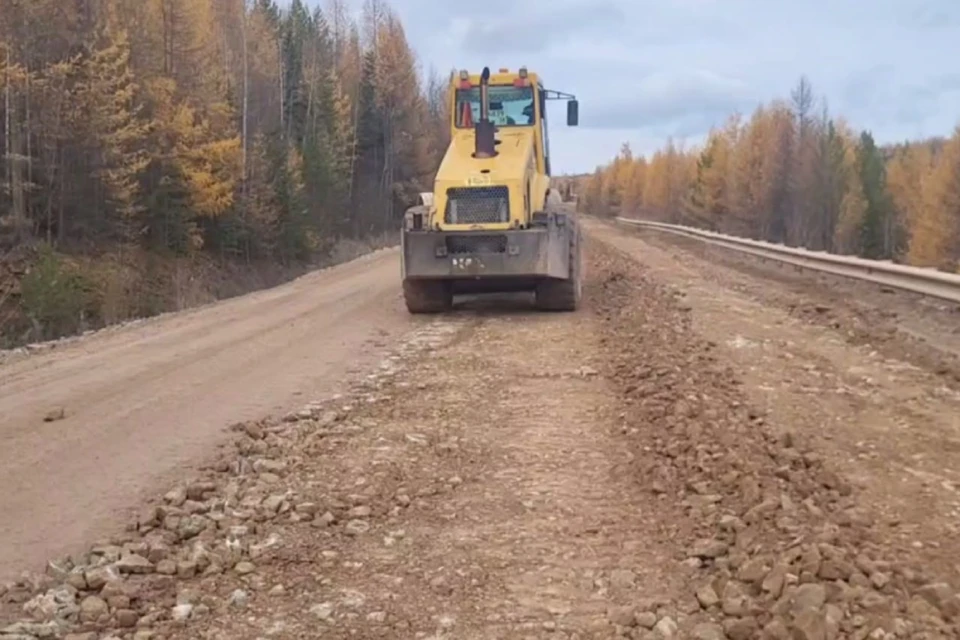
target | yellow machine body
x=492, y=222
x=521, y=163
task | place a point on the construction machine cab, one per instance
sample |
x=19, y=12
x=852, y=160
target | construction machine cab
x=493, y=223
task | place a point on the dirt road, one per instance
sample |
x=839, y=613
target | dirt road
x=146, y=402
x=846, y=370
x=650, y=467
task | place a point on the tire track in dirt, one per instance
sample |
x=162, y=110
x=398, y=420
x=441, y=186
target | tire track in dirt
x=509, y=507
x=521, y=523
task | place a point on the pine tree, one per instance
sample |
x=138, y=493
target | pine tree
x=831, y=186
x=708, y=198
x=875, y=232
x=293, y=223
x=112, y=117
x=853, y=207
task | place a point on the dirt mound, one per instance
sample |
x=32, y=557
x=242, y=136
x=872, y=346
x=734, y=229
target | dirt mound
x=781, y=546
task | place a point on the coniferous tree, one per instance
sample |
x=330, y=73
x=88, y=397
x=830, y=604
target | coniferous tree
x=874, y=234
x=787, y=175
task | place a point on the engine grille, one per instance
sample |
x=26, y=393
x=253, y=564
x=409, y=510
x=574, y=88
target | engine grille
x=477, y=205
x=476, y=244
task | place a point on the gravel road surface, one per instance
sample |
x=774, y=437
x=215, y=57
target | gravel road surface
x=705, y=450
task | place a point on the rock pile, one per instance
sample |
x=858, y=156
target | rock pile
x=207, y=540
x=166, y=569
x=778, y=544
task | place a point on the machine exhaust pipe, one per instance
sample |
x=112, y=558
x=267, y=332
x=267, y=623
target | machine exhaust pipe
x=485, y=145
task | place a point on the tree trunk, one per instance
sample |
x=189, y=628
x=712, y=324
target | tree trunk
x=61, y=217
x=8, y=122
x=27, y=129
x=283, y=102
x=13, y=156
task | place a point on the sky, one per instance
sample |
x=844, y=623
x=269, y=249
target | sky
x=644, y=71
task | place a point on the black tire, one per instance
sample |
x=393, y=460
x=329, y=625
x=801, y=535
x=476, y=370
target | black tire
x=427, y=296
x=563, y=295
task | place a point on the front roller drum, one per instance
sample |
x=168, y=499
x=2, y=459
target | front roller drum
x=427, y=296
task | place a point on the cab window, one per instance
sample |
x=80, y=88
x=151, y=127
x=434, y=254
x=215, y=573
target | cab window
x=509, y=106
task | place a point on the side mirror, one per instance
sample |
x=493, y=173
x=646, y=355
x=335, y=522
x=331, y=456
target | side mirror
x=573, y=113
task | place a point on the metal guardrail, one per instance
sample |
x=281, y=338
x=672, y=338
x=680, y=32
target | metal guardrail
x=929, y=282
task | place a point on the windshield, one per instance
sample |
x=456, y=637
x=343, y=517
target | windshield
x=509, y=106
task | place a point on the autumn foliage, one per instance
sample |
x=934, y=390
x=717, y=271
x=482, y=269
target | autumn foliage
x=798, y=176
x=238, y=130
x=231, y=125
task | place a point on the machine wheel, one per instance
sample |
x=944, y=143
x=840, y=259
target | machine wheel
x=427, y=296
x=563, y=295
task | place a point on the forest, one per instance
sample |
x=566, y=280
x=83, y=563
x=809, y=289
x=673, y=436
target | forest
x=151, y=144
x=793, y=173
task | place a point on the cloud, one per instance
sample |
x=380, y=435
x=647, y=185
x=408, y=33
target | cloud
x=525, y=28
x=645, y=70
x=933, y=14
x=694, y=98
x=946, y=82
